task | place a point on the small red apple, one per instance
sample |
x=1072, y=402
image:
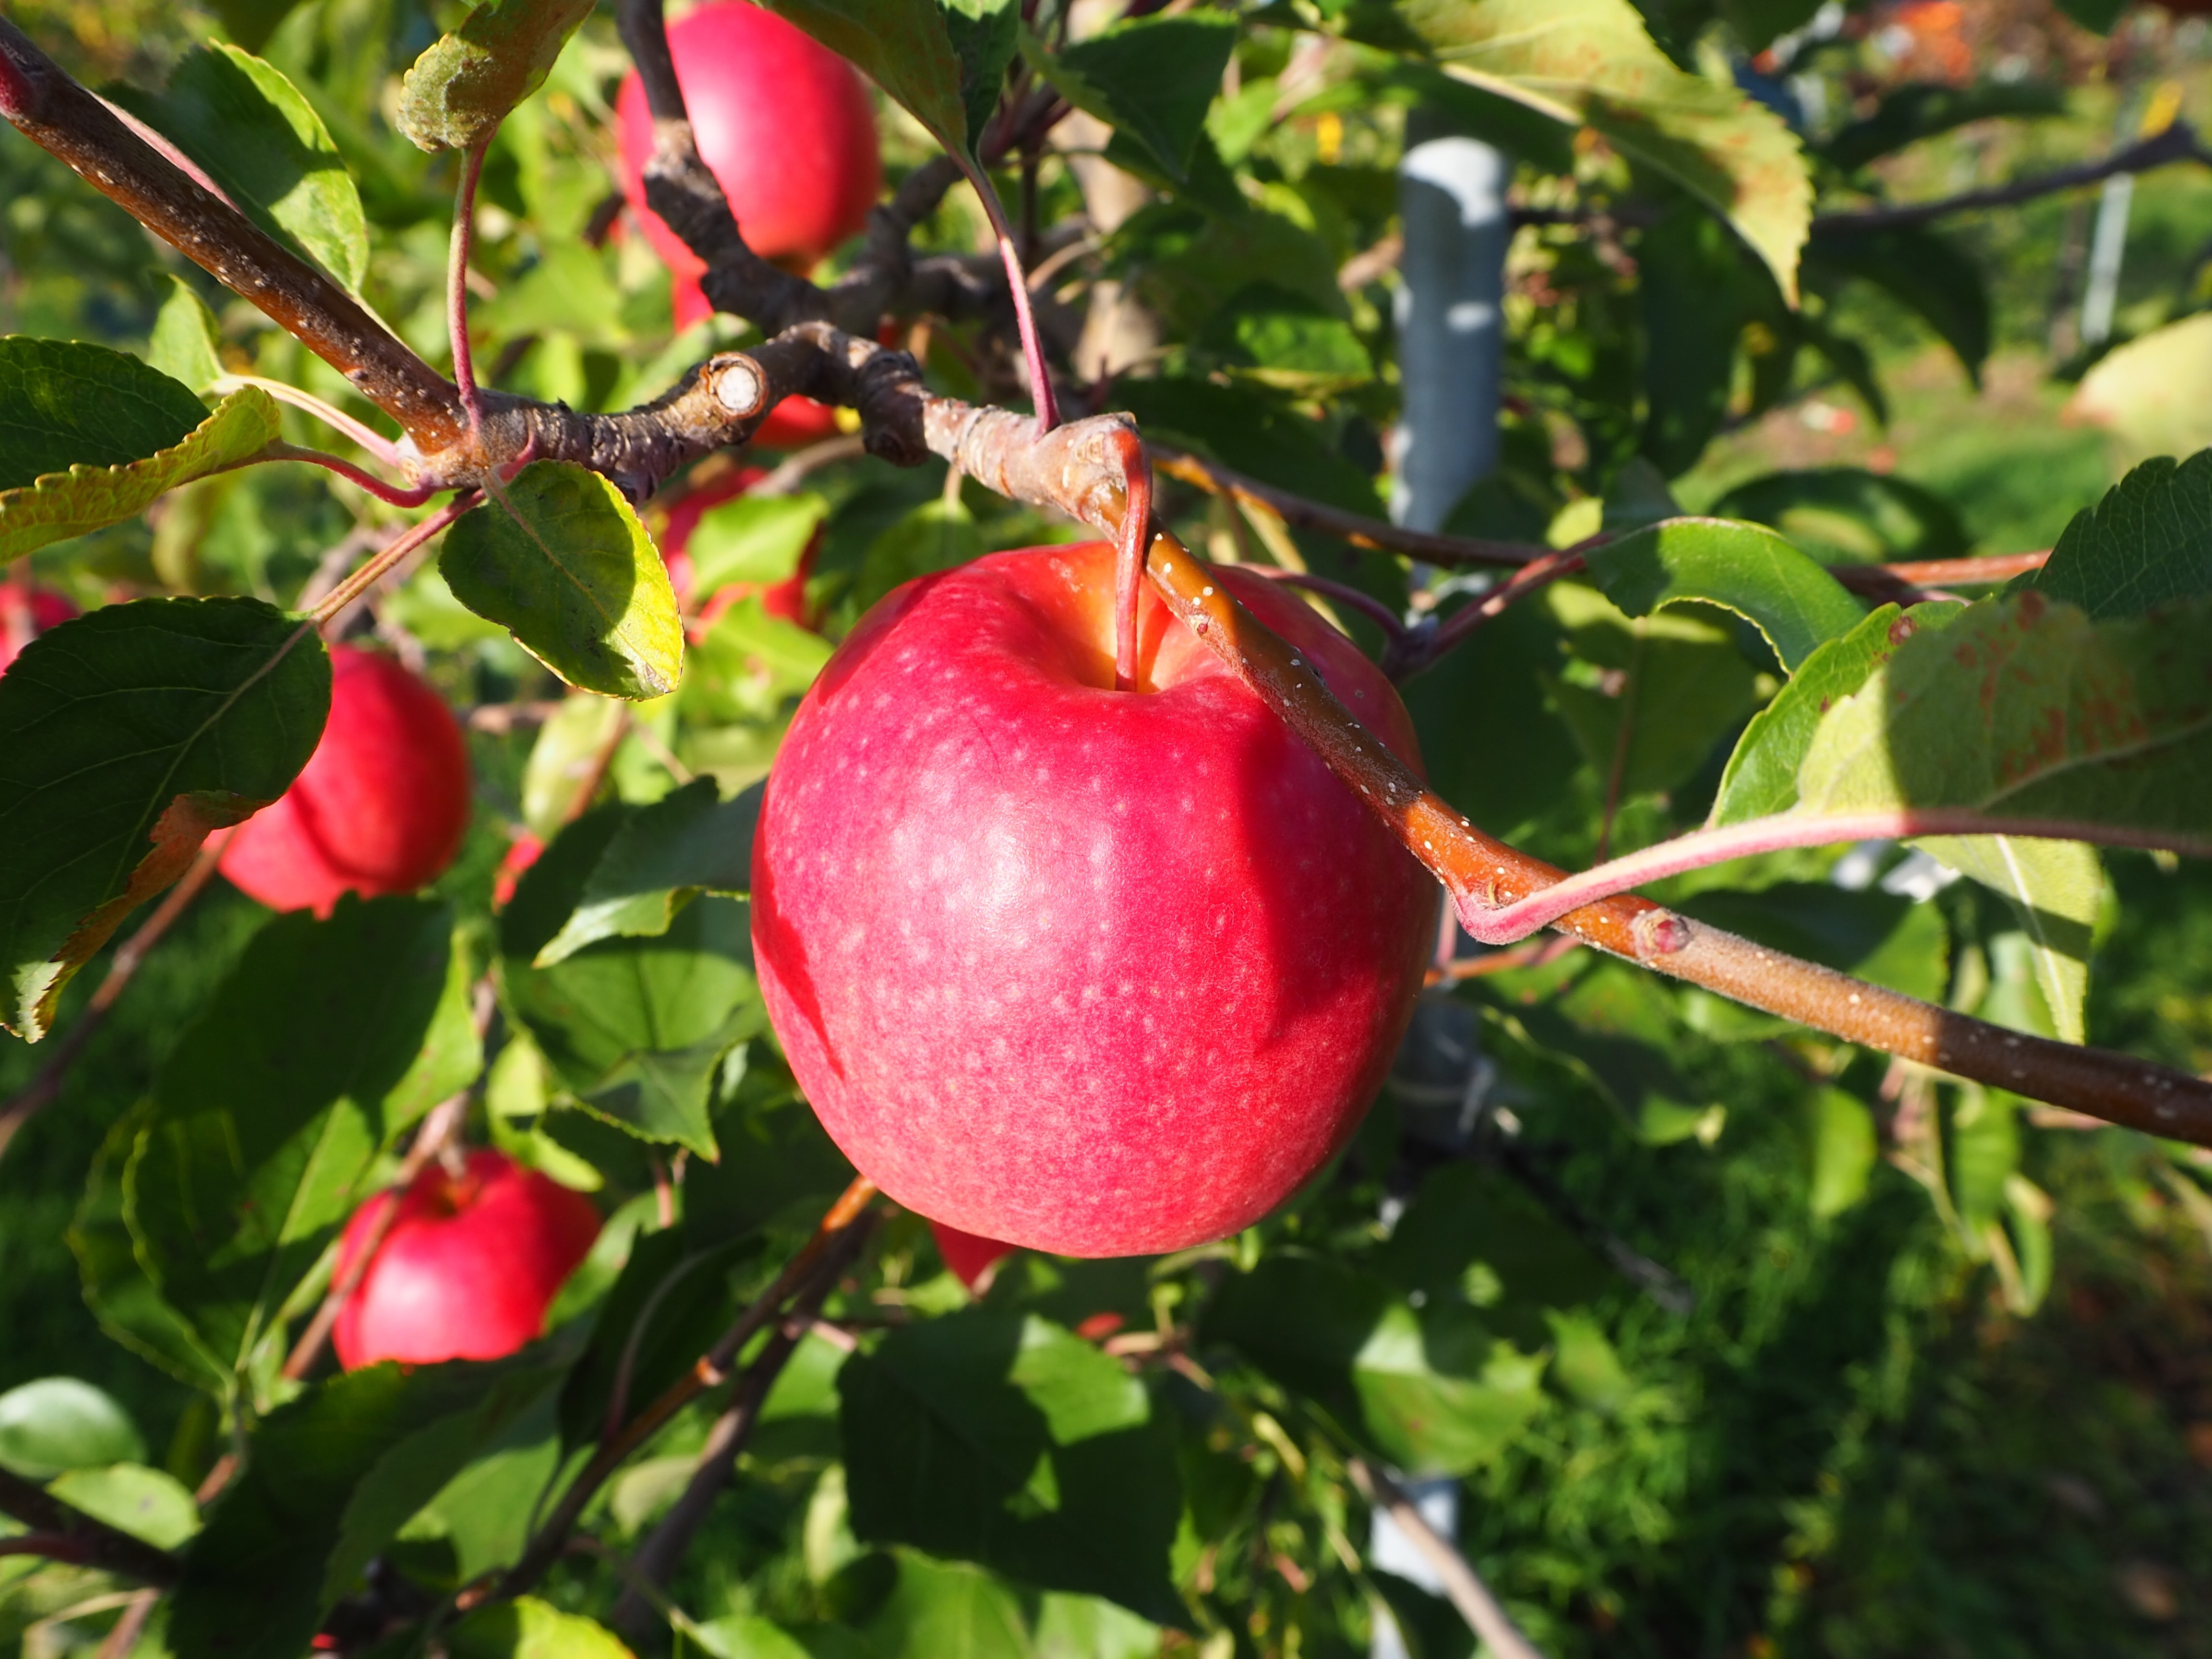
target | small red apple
x=973, y=1260
x=794, y=423
x=786, y=598
x=26, y=612
x=469, y=1267
x=381, y=805
x=524, y=851
x=1091, y=971
x=784, y=123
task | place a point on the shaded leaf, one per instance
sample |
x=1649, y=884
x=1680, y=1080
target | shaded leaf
x=264, y=144
x=1152, y=78
x=1010, y=1441
x=117, y=1286
x=1922, y=110
x=1844, y=1149
x=327, y=1040
x=666, y=855
x=527, y=1628
x=458, y=91
x=333, y=1476
x=1923, y=271
x=1696, y=293
x=64, y=403
x=906, y=48
x=1593, y=62
x=2147, y=543
x=126, y=736
x=1795, y=604
x=1848, y=515
x=562, y=563
x=936, y=535
x=754, y=539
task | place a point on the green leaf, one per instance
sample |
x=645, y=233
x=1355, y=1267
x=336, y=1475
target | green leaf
x=2143, y=391
x=1795, y=604
x=249, y=22
x=1288, y=340
x=1434, y=1392
x=265, y=146
x=333, y=1476
x=328, y=1039
x=688, y=842
x=635, y=1026
x=1761, y=778
x=460, y=89
x=753, y=538
x=147, y=1503
x=1923, y=271
x=65, y=404
x=2054, y=889
x=1848, y=515
x=1674, y=684
x=562, y=761
x=1253, y=430
x=935, y=536
x=1844, y=1150
x=2146, y=543
x=126, y=737
x=985, y=36
x=1593, y=62
x=527, y=1628
x=1922, y=110
x=907, y=48
x=1883, y=937
x=186, y=346
x=1697, y=292
x=561, y=560
x=484, y=1512
x=117, y=1286
x=1152, y=78
x=60, y=1422
x=1009, y=1442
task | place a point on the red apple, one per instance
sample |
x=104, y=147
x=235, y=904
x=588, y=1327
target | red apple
x=522, y=852
x=381, y=805
x=1089, y=971
x=26, y=612
x=469, y=1267
x=973, y=1260
x=785, y=123
x=794, y=423
x=786, y=598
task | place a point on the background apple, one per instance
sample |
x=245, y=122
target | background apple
x=1093, y=972
x=26, y=612
x=381, y=805
x=469, y=1267
x=786, y=598
x=972, y=1259
x=785, y=123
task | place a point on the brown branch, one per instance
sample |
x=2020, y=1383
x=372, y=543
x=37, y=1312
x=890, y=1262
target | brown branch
x=62, y=118
x=657, y=1560
x=1489, y=1620
x=64, y=1534
x=710, y=1372
x=42, y=1089
x=2178, y=143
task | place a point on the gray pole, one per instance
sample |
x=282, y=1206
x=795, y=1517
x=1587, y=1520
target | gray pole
x=1450, y=316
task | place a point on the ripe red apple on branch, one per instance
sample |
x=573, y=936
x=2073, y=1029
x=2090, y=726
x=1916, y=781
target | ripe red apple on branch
x=973, y=1260
x=786, y=126
x=379, y=808
x=468, y=1266
x=1089, y=971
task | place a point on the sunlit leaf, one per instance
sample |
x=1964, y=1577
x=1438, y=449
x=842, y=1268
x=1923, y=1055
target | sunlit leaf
x=460, y=89
x=187, y=345
x=1795, y=604
x=662, y=858
x=2144, y=391
x=2147, y=543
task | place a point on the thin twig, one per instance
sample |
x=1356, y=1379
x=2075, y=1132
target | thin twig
x=1484, y=1615
x=1530, y=953
x=800, y=465
x=388, y=557
x=123, y=1636
x=710, y=1372
x=46, y=1086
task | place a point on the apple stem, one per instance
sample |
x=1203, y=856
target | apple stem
x=398, y=547
x=1018, y=287
x=457, y=278
x=1129, y=557
x=391, y=495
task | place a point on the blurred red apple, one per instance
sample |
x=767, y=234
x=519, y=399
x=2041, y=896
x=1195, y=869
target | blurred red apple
x=469, y=1267
x=972, y=1259
x=786, y=598
x=26, y=612
x=523, y=852
x=381, y=805
x=785, y=123
x=1089, y=971
x=794, y=423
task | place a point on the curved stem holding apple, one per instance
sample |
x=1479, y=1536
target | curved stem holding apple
x=458, y=248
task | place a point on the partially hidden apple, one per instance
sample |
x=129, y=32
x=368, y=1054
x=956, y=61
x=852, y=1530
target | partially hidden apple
x=468, y=1268
x=380, y=807
x=26, y=612
x=1089, y=971
x=783, y=122
x=973, y=1260
x=786, y=598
